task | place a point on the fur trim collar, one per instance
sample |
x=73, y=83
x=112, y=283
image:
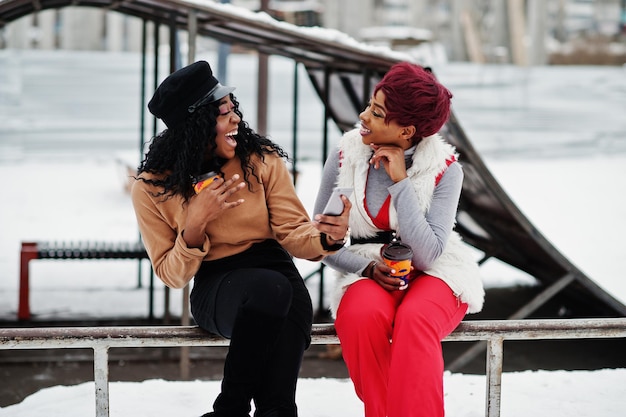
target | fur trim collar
x=429, y=159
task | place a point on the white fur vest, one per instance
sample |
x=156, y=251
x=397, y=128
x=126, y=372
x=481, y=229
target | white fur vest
x=456, y=265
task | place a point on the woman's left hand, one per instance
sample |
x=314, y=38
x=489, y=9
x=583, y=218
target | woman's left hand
x=381, y=273
x=335, y=227
x=392, y=158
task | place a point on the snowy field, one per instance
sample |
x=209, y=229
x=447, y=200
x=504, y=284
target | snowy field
x=85, y=200
x=542, y=394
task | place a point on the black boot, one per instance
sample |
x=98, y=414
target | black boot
x=253, y=338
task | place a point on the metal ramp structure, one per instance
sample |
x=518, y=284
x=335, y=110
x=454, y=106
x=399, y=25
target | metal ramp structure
x=343, y=73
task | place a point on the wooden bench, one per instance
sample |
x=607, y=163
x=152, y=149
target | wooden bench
x=75, y=250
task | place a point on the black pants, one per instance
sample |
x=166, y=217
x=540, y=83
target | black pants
x=257, y=299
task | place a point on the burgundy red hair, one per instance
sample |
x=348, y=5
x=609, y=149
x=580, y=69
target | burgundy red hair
x=414, y=97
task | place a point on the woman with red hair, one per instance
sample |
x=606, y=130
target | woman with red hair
x=407, y=183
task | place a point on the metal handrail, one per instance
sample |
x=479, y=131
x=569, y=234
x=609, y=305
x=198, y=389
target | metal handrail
x=101, y=339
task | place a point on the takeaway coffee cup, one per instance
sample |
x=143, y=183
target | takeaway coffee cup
x=204, y=181
x=398, y=255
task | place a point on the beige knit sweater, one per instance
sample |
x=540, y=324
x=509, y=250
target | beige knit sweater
x=271, y=211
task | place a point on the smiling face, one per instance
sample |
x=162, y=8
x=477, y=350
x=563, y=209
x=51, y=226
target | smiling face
x=375, y=130
x=226, y=126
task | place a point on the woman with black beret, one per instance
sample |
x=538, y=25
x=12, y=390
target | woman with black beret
x=235, y=232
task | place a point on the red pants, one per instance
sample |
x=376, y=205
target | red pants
x=403, y=378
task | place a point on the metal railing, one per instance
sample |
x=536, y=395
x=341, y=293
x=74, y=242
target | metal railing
x=101, y=339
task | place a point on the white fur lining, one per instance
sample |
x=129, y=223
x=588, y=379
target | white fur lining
x=456, y=266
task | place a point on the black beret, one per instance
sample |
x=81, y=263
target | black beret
x=184, y=90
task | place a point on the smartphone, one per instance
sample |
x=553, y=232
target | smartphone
x=334, y=207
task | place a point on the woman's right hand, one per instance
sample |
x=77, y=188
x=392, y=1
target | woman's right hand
x=208, y=205
x=335, y=227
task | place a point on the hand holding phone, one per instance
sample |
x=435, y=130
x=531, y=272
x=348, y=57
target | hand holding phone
x=334, y=207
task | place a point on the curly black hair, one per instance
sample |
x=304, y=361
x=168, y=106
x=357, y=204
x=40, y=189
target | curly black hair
x=181, y=153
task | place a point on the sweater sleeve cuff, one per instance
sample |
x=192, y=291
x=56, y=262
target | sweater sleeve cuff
x=330, y=248
x=193, y=252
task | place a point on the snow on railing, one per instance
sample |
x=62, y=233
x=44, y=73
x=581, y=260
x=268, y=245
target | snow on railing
x=101, y=339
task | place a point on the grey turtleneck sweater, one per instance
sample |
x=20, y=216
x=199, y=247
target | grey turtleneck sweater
x=426, y=234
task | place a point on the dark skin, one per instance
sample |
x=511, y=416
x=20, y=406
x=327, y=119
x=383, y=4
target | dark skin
x=335, y=227
x=215, y=199
x=208, y=206
x=388, y=140
x=393, y=158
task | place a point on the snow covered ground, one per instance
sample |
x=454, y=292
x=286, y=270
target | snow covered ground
x=553, y=394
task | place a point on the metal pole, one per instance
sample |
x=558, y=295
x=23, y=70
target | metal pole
x=367, y=88
x=262, y=94
x=326, y=99
x=185, y=320
x=174, y=65
x=174, y=53
x=262, y=85
x=142, y=126
x=155, y=84
x=223, y=49
x=156, y=69
x=142, y=109
x=326, y=114
x=192, y=31
x=101, y=379
x=494, y=376
x=294, y=135
x=622, y=23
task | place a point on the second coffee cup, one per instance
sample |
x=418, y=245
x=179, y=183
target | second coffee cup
x=398, y=255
